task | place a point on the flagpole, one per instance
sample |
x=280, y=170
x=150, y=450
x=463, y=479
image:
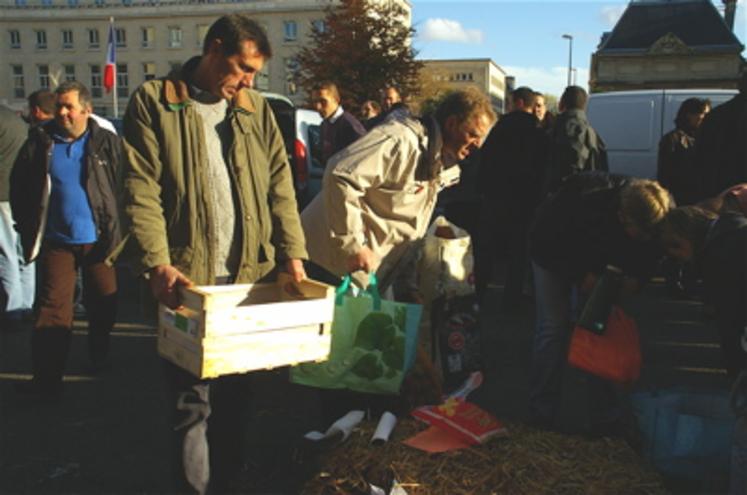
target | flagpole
x=115, y=103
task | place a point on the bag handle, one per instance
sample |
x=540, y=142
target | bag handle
x=372, y=290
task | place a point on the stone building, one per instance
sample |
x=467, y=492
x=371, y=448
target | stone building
x=668, y=44
x=442, y=75
x=45, y=42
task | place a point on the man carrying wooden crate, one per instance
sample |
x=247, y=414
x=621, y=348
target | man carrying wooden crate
x=210, y=197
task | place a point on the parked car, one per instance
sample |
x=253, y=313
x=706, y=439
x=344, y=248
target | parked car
x=300, y=129
x=631, y=123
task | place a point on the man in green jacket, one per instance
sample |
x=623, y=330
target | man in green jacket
x=210, y=199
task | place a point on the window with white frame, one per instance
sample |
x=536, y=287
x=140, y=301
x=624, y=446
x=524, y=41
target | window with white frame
x=149, y=71
x=123, y=81
x=290, y=30
x=319, y=25
x=19, y=90
x=147, y=37
x=67, y=38
x=43, y=70
x=291, y=75
x=69, y=72
x=202, y=30
x=41, y=39
x=96, y=80
x=15, y=38
x=262, y=78
x=93, y=38
x=175, y=37
x=120, y=37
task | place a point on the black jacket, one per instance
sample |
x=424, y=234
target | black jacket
x=724, y=263
x=513, y=162
x=721, y=147
x=30, y=186
x=575, y=148
x=577, y=230
x=676, y=167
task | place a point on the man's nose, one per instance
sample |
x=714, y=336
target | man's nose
x=247, y=80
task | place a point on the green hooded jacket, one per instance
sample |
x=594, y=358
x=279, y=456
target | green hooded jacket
x=166, y=187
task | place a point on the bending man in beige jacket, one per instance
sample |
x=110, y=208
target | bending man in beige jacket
x=378, y=194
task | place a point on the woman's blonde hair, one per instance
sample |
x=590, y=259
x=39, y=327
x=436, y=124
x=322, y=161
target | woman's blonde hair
x=644, y=203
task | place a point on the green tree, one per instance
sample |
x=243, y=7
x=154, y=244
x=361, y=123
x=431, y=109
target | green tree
x=362, y=46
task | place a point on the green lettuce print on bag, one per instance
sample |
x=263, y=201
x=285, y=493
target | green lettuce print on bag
x=384, y=337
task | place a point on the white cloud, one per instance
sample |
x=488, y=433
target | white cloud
x=552, y=80
x=611, y=14
x=449, y=30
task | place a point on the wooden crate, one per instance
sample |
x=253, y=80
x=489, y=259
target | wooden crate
x=226, y=329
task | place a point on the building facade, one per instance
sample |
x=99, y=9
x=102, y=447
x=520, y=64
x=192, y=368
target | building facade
x=46, y=42
x=668, y=44
x=443, y=75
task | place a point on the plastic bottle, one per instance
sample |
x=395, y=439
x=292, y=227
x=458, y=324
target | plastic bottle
x=599, y=304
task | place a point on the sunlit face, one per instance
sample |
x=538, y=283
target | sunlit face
x=539, y=108
x=391, y=96
x=695, y=119
x=462, y=138
x=368, y=111
x=325, y=102
x=229, y=74
x=71, y=116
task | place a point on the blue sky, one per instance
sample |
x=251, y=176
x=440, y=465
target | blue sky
x=524, y=37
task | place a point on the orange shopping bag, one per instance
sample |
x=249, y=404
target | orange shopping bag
x=615, y=355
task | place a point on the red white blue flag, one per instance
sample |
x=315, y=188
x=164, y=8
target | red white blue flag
x=110, y=70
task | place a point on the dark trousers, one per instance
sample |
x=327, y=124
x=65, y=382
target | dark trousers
x=209, y=420
x=58, y=266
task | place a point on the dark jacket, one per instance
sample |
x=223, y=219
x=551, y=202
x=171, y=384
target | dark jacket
x=676, y=167
x=721, y=151
x=512, y=164
x=30, y=186
x=577, y=230
x=724, y=263
x=339, y=134
x=576, y=147
x=13, y=132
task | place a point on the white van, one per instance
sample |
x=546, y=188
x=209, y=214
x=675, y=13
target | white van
x=631, y=123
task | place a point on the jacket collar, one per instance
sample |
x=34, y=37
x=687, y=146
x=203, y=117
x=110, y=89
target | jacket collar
x=431, y=161
x=176, y=90
x=95, y=133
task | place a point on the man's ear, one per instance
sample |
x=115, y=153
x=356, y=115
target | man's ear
x=215, y=47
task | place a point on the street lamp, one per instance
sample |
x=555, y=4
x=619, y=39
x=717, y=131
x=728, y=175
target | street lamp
x=570, y=55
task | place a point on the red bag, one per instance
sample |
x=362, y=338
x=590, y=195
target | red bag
x=615, y=355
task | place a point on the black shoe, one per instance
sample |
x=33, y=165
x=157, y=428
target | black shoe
x=39, y=389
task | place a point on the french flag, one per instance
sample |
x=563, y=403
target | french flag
x=110, y=70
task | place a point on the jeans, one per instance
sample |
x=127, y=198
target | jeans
x=17, y=280
x=556, y=304
x=208, y=419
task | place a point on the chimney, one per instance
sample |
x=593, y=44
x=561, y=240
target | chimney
x=730, y=9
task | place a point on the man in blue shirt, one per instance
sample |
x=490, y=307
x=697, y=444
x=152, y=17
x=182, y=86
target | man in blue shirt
x=63, y=198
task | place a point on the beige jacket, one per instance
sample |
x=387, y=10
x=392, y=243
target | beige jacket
x=378, y=192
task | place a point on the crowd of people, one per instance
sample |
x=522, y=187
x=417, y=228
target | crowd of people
x=199, y=190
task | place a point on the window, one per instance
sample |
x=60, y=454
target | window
x=99, y=3
x=41, y=39
x=20, y=3
x=18, y=85
x=147, y=35
x=93, y=38
x=123, y=81
x=175, y=66
x=319, y=25
x=67, y=38
x=290, y=30
x=175, y=37
x=15, y=38
x=72, y=3
x=202, y=30
x=291, y=74
x=96, y=81
x=120, y=37
x=262, y=79
x=69, y=72
x=46, y=3
x=149, y=71
x=43, y=76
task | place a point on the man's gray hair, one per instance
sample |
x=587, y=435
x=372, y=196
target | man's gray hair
x=84, y=95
